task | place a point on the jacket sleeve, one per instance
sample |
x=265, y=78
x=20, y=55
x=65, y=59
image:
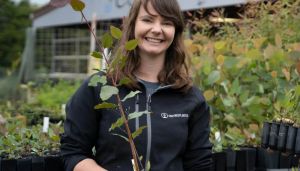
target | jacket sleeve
x=80, y=126
x=198, y=154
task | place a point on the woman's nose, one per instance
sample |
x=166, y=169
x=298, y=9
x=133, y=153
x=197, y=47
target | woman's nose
x=156, y=27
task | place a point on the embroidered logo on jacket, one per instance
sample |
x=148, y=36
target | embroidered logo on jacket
x=177, y=115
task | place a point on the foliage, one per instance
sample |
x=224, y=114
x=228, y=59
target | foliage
x=21, y=141
x=250, y=72
x=13, y=22
x=51, y=95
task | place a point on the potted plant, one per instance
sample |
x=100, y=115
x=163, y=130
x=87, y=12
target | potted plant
x=27, y=148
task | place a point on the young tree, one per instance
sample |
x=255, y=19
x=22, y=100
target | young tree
x=14, y=19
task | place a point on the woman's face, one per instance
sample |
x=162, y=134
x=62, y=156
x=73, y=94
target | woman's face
x=154, y=33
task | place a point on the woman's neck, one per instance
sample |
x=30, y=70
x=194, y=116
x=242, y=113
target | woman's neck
x=150, y=67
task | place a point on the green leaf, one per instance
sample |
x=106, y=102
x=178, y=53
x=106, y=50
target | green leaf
x=213, y=77
x=105, y=105
x=228, y=101
x=130, y=95
x=96, y=54
x=137, y=114
x=138, y=132
x=94, y=81
x=108, y=91
x=235, y=88
x=125, y=81
x=131, y=44
x=230, y=62
x=116, y=32
x=107, y=41
x=249, y=101
x=220, y=45
x=77, y=5
x=253, y=53
x=117, y=124
x=97, y=79
x=297, y=90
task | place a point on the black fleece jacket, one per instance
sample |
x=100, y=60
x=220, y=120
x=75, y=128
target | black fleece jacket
x=176, y=137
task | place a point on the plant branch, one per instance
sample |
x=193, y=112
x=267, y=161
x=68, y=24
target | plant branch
x=114, y=82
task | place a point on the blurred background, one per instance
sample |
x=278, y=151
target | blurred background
x=244, y=55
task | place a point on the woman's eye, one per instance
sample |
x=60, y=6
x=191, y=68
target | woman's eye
x=168, y=24
x=146, y=20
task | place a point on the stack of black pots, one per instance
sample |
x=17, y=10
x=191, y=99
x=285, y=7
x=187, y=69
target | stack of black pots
x=283, y=140
x=281, y=136
x=33, y=163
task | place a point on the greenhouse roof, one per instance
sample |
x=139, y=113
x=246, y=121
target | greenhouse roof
x=49, y=16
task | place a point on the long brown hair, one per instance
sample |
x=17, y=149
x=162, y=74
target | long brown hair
x=175, y=70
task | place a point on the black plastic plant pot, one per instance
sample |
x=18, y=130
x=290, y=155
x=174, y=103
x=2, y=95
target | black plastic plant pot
x=274, y=135
x=291, y=138
x=282, y=136
x=38, y=164
x=9, y=165
x=245, y=159
x=219, y=161
x=285, y=161
x=297, y=142
x=267, y=159
x=24, y=164
x=0, y=163
x=53, y=163
x=265, y=134
x=230, y=159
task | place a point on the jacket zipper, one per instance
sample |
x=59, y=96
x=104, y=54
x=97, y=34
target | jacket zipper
x=149, y=131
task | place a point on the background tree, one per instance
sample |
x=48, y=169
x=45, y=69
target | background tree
x=14, y=19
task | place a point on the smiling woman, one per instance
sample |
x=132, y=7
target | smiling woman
x=175, y=113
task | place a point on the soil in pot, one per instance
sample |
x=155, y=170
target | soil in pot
x=219, y=161
x=274, y=135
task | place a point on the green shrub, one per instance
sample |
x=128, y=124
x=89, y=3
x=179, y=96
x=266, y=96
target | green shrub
x=20, y=141
x=250, y=72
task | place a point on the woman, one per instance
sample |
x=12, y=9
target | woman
x=177, y=133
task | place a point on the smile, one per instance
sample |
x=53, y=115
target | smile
x=154, y=40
